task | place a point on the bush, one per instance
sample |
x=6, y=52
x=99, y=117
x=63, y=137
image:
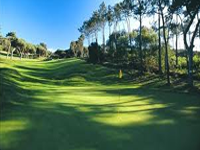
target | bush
x=95, y=53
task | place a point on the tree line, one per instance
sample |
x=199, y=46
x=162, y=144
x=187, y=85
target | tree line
x=145, y=48
x=17, y=46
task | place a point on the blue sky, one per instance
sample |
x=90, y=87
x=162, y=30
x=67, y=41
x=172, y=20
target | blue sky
x=54, y=22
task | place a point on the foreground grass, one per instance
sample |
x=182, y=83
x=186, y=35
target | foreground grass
x=71, y=105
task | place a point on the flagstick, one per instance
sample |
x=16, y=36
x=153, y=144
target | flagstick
x=120, y=77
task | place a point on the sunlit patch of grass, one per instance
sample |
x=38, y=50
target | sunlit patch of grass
x=13, y=125
x=123, y=119
x=125, y=114
x=8, y=130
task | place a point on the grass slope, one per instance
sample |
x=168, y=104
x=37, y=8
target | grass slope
x=72, y=105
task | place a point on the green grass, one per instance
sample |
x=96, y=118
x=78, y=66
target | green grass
x=72, y=105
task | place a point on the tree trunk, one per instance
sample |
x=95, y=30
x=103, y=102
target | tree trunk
x=129, y=33
x=8, y=51
x=130, y=41
x=140, y=46
x=176, y=42
x=190, y=48
x=96, y=36
x=104, y=39
x=21, y=56
x=166, y=49
x=12, y=53
x=109, y=29
x=159, y=52
x=115, y=27
x=176, y=50
x=190, y=65
x=190, y=52
x=88, y=41
x=115, y=30
x=7, y=54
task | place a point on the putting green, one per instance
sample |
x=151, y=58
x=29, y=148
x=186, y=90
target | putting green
x=72, y=105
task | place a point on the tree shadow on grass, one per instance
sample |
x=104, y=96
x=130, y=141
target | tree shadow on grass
x=59, y=126
x=63, y=126
x=32, y=123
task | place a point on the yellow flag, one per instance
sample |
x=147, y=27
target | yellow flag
x=120, y=74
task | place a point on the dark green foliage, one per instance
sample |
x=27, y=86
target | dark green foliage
x=95, y=53
x=117, y=46
x=192, y=6
x=41, y=50
x=60, y=53
x=11, y=35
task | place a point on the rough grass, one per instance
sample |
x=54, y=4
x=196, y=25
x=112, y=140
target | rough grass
x=72, y=105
